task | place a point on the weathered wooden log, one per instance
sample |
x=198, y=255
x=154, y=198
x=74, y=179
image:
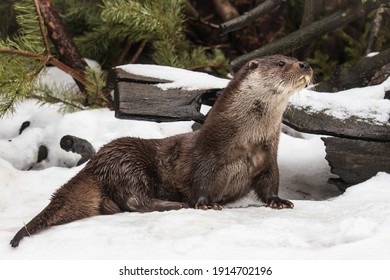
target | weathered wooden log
x=138, y=97
x=355, y=160
x=307, y=121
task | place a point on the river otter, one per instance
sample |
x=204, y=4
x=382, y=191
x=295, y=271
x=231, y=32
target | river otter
x=234, y=152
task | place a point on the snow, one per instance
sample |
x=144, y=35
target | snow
x=189, y=80
x=366, y=103
x=324, y=224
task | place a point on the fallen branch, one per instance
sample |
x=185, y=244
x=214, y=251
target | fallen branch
x=249, y=17
x=307, y=34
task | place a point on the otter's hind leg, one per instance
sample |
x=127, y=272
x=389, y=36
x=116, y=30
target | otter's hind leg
x=77, y=199
x=154, y=204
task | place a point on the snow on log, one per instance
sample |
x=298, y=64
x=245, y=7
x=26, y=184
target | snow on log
x=318, y=122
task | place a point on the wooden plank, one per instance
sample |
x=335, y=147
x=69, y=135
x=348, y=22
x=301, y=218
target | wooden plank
x=355, y=160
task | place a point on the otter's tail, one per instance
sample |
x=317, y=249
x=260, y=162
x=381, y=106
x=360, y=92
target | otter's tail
x=79, y=198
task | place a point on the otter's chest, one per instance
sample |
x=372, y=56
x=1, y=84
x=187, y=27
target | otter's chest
x=234, y=178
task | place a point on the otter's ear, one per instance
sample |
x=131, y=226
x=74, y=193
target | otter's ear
x=253, y=64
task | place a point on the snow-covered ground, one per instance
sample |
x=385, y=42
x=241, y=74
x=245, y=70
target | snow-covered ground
x=324, y=224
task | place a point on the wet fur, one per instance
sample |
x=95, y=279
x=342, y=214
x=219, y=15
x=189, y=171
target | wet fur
x=233, y=153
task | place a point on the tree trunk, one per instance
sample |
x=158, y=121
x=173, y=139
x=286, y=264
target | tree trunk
x=68, y=52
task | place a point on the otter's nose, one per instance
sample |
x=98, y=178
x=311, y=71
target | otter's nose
x=304, y=65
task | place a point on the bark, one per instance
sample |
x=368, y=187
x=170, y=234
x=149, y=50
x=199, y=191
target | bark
x=358, y=75
x=249, y=17
x=307, y=34
x=68, y=52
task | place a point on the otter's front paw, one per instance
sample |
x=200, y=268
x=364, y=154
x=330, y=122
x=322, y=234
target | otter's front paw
x=278, y=203
x=204, y=204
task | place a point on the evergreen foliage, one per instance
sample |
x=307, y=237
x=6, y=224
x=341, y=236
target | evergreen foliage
x=161, y=23
x=100, y=28
x=83, y=18
x=70, y=97
x=94, y=87
x=18, y=73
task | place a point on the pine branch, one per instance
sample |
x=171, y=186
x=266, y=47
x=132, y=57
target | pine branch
x=54, y=99
x=48, y=59
x=95, y=85
x=23, y=59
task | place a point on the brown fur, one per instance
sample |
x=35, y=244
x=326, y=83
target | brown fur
x=233, y=153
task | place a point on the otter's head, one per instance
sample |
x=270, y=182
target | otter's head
x=277, y=74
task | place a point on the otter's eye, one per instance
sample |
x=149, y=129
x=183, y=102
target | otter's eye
x=281, y=63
